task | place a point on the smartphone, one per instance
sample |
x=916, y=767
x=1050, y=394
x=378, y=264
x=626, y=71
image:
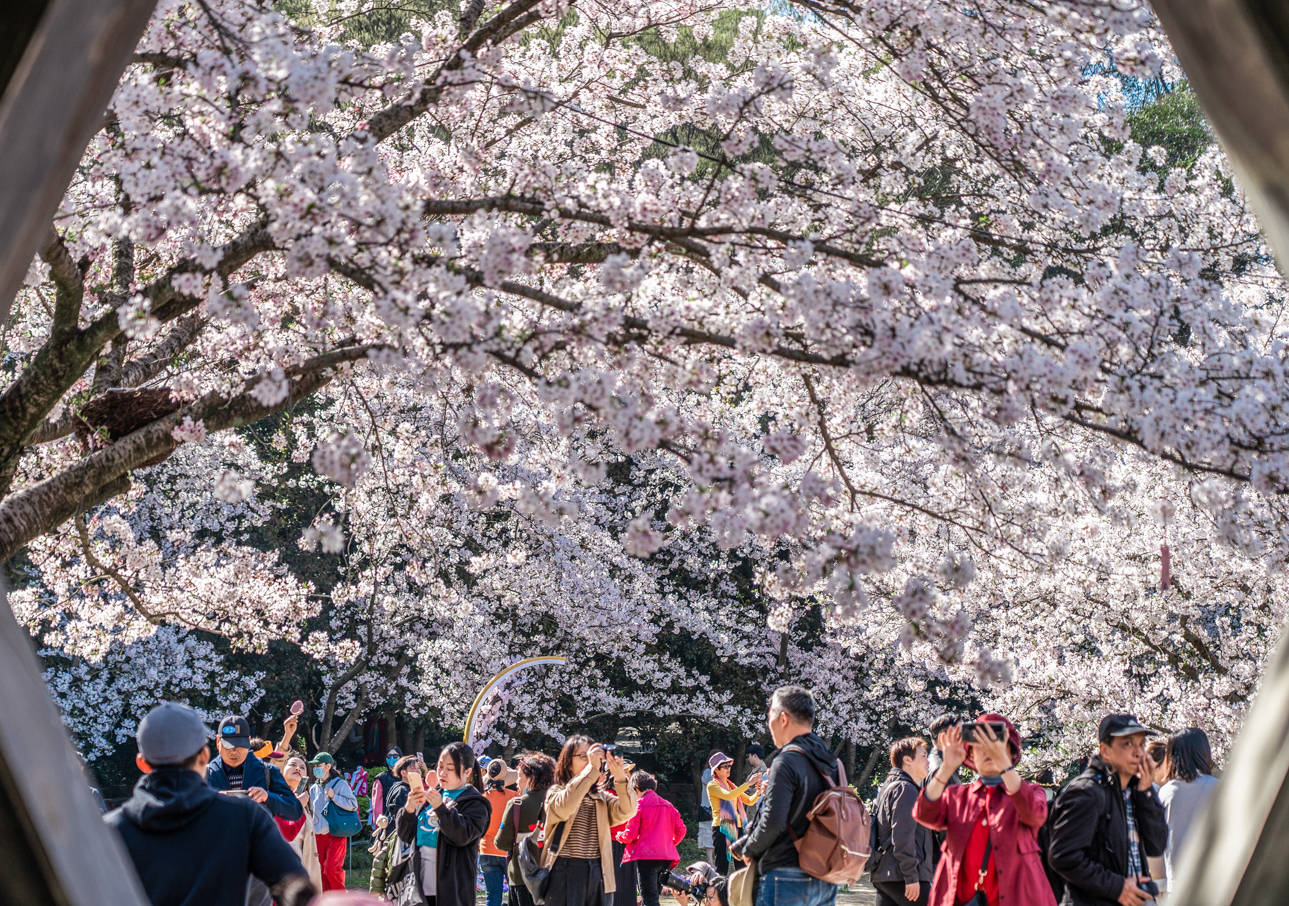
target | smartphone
x=297, y=707
x=996, y=727
x=415, y=781
x=420, y=758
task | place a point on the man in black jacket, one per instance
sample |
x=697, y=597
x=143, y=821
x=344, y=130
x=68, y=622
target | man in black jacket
x=1108, y=820
x=190, y=845
x=796, y=780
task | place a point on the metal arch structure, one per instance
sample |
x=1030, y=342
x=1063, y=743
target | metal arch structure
x=60, y=60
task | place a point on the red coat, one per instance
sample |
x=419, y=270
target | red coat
x=1014, y=822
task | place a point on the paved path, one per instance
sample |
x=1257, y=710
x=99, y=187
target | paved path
x=859, y=895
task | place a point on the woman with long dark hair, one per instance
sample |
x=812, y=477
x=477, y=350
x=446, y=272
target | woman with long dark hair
x=1188, y=765
x=522, y=815
x=445, y=817
x=579, y=814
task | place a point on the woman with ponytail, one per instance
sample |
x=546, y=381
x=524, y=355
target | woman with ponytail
x=445, y=817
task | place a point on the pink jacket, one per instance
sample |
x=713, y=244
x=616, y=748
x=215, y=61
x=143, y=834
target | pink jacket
x=654, y=830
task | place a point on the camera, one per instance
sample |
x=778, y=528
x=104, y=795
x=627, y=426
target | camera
x=697, y=889
x=996, y=727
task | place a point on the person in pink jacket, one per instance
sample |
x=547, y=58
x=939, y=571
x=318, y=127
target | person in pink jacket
x=651, y=836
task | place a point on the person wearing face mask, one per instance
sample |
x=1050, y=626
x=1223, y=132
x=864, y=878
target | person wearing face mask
x=990, y=855
x=384, y=782
x=445, y=817
x=329, y=787
x=522, y=815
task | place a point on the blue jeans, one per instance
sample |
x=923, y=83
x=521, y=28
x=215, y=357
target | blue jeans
x=793, y=887
x=494, y=873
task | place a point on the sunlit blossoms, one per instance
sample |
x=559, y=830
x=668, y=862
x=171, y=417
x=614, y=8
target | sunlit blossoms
x=896, y=303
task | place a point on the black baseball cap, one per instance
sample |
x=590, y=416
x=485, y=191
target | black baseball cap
x=235, y=732
x=1116, y=725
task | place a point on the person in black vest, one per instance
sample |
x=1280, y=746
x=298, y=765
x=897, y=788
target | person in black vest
x=190, y=845
x=1109, y=820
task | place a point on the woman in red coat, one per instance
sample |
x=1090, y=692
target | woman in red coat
x=990, y=852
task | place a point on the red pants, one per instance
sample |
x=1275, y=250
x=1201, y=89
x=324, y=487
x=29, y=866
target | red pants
x=331, y=854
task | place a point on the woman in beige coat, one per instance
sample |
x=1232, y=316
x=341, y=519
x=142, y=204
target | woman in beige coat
x=580, y=810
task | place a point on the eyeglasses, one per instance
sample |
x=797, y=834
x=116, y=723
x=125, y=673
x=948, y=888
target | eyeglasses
x=581, y=755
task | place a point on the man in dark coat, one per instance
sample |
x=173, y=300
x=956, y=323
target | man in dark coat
x=237, y=769
x=796, y=780
x=190, y=845
x=1108, y=820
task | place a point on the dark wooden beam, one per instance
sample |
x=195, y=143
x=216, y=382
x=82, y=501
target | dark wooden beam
x=1236, y=55
x=53, y=102
x=54, y=846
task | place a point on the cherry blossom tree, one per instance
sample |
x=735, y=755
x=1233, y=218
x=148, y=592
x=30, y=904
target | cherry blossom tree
x=888, y=291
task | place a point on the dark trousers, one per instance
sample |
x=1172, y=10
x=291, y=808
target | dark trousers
x=891, y=893
x=519, y=895
x=651, y=872
x=626, y=877
x=722, y=851
x=576, y=882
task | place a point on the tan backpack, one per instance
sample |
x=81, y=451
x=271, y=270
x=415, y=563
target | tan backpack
x=838, y=840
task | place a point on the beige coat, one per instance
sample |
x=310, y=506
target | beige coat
x=610, y=811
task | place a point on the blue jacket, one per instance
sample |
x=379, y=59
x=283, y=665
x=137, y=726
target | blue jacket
x=194, y=847
x=281, y=802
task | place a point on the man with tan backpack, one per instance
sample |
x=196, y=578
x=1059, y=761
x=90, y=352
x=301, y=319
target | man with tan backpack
x=802, y=846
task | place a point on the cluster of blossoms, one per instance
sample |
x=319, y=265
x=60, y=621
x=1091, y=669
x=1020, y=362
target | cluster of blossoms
x=890, y=292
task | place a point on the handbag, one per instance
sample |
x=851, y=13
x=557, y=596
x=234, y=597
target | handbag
x=401, y=888
x=341, y=822
x=529, y=849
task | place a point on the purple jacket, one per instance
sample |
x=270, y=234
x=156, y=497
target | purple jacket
x=654, y=830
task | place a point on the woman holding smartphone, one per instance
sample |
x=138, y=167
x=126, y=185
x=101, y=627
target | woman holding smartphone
x=579, y=814
x=445, y=816
x=990, y=853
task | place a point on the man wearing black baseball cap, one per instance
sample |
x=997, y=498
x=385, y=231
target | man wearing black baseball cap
x=1109, y=819
x=189, y=845
x=236, y=768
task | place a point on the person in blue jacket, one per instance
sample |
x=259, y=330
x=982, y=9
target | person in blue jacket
x=235, y=770
x=189, y=845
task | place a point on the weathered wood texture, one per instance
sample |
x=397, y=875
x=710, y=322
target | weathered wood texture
x=52, y=106
x=56, y=848
x=60, y=67
x=1236, y=55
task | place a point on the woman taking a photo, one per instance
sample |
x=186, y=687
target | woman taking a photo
x=729, y=806
x=990, y=852
x=522, y=815
x=579, y=814
x=445, y=816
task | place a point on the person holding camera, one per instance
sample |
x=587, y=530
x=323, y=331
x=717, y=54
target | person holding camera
x=702, y=885
x=445, y=816
x=579, y=815
x=990, y=855
x=729, y=806
x=1109, y=819
x=902, y=858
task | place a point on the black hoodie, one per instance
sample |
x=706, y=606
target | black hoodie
x=192, y=846
x=794, y=784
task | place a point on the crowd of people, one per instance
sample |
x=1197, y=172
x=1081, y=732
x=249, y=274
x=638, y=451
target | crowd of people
x=587, y=829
